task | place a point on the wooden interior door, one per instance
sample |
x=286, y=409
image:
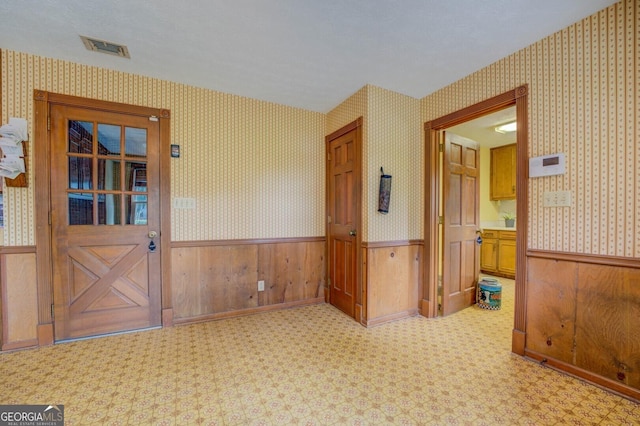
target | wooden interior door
x=461, y=256
x=105, y=221
x=343, y=211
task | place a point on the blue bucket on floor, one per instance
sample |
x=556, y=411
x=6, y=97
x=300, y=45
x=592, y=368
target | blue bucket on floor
x=489, y=294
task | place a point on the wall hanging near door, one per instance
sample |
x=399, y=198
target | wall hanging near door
x=385, y=192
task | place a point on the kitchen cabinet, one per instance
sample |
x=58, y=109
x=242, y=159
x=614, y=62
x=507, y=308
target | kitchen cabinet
x=498, y=253
x=503, y=173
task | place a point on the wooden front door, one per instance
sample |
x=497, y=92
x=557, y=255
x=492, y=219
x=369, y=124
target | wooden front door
x=105, y=221
x=461, y=257
x=343, y=211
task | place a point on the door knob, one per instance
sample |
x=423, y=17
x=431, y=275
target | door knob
x=352, y=232
x=153, y=234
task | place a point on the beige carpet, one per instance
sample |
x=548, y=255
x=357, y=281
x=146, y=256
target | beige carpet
x=310, y=365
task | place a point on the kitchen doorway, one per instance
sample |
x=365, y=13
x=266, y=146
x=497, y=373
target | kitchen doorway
x=435, y=199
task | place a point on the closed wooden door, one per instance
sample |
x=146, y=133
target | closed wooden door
x=105, y=221
x=343, y=219
x=461, y=257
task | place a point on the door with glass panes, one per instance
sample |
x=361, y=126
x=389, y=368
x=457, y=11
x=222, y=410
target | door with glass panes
x=104, y=221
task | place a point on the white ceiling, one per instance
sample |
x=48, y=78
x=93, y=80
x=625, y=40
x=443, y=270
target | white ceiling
x=310, y=54
x=482, y=129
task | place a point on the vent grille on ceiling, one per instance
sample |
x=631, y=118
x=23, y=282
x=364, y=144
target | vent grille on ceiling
x=105, y=47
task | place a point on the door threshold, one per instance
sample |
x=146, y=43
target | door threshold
x=115, y=333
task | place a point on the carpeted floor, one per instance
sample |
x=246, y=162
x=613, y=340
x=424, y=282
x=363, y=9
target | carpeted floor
x=310, y=365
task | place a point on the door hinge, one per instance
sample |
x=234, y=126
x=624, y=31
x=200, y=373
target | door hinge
x=49, y=123
x=440, y=220
x=441, y=147
x=328, y=157
x=52, y=311
x=328, y=219
x=49, y=218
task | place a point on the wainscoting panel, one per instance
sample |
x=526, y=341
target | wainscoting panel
x=608, y=322
x=583, y=316
x=19, y=300
x=215, y=279
x=551, y=297
x=393, y=281
x=291, y=272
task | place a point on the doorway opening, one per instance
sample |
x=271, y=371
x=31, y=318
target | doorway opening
x=438, y=206
x=494, y=208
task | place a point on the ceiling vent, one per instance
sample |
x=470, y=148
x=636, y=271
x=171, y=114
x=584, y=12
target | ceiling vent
x=105, y=47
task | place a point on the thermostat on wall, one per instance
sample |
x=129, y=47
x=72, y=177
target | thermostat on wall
x=547, y=165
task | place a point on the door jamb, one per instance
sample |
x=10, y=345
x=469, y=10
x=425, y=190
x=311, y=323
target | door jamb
x=42, y=174
x=519, y=98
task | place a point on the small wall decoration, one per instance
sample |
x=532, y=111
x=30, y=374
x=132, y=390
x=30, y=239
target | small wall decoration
x=175, y=151
x=13, y=152
x=385, y=192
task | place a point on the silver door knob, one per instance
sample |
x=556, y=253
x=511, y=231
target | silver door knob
x=153, y=234
x=352, y=232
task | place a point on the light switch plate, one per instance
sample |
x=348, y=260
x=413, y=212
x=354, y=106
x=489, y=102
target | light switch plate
x=184, y=203
x=556, y=199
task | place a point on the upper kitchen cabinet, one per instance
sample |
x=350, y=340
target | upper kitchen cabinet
x=503, y=173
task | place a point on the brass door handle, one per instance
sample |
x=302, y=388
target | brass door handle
x=352, y=232
x=152, y=234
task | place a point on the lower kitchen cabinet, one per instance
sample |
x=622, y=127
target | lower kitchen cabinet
x=498, y=253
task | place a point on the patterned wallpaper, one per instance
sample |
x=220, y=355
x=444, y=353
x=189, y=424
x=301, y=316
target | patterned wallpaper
x=396, y=142
x=392, y=139
x=255, y=169
x=584, y=101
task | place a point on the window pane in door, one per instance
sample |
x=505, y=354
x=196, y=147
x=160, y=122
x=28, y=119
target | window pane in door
x=80, y=172
x=136, y=206
x=109, y=209
x=109, y=174
x=136, y=175
x=135, y=142
x=80, y=137
x=80, y=208
x=108, y=139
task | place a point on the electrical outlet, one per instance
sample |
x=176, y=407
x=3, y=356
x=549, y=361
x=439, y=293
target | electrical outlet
x=261, y=285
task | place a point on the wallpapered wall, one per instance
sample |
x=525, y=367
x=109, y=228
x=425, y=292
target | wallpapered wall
x=584, y=101
x=256, y=169
x=392, y=139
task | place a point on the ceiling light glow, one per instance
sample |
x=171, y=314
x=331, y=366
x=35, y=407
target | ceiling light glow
x=507, y=127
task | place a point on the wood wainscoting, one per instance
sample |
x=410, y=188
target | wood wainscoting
x=219, y=279
x=583, y=317
x=19, y=302
x=392, y=280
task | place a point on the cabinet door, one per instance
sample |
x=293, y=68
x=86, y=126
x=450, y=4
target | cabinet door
x=503, y=173
x=489, y=252
x=507, y=257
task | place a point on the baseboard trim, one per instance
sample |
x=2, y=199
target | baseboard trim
x=391, y=317
x=250, y=311
x=20, y=344
x=597, y=380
